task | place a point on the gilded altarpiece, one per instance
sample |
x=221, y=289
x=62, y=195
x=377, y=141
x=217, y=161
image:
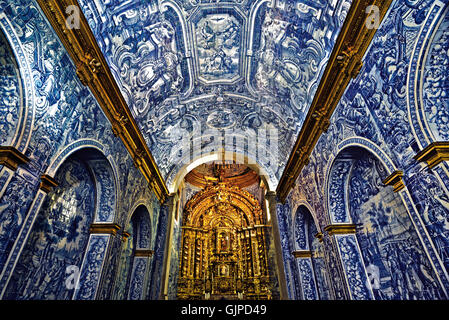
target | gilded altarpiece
x=224, y=246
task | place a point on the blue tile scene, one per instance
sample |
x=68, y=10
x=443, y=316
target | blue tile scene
x=224, y=150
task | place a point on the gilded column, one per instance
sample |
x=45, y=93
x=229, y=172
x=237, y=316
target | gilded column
x=167, y=248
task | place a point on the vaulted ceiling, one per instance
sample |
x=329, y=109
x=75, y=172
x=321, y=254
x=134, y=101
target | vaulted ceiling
x=203, y=71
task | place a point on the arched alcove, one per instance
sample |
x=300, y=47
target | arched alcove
x=135, y=253
x=56, y=249
x=427, y=98
x=311, y=265
x=386, y=237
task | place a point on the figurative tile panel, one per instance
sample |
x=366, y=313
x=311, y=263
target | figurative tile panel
x=388, y=241
x=10, y=86
x=58, y=238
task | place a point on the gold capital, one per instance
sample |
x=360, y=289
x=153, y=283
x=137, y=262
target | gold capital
x=47, y=183
x=302, y=254
x=434, y=153
x=108, y=228
x=395, y=180
x=340, y=229
x=143, y=253
x=11, y=158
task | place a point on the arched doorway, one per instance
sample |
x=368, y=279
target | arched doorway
x=392, y=254
x=224, y=243
x=310, y=256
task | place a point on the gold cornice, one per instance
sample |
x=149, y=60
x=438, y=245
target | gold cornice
x=93, y=71
x=143, y=253
x=395, y=180
x=104, y=228
x=47, y=183
x=302, y=254
x=434, y=153
x=11, y=158
x=340, y=229
x=344, y=64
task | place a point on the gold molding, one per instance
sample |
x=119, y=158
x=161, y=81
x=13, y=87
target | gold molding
x=340, y=229
x=434, y=153
x=344, y=64
x=125, y=236
x=319, y=236
x=104, y=228
x=11, y=158
x=302, y=254
x=143, y=253
x=93, y=71
x=47, y=183
x=395, y=180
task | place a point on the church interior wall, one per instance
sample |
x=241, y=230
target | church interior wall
x=379, y=113
x=56, y=116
